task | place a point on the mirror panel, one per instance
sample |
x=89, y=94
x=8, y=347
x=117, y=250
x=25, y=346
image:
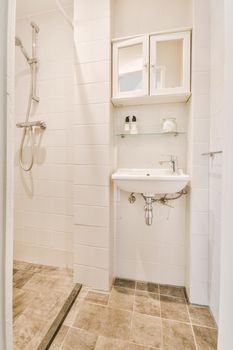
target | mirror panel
x=169, y=64
x=130, y=68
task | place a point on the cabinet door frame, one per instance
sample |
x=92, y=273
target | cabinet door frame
x=144, y=40
x=185, y=88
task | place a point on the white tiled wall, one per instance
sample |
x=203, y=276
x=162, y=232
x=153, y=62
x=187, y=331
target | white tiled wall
x=44, y=197
x=197, y=213
x=92, y=144
x=216, y=134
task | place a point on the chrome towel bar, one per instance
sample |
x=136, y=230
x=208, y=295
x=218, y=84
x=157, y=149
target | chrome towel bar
x=211, y=154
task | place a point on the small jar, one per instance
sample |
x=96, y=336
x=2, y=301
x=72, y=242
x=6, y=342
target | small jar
x=169, y=125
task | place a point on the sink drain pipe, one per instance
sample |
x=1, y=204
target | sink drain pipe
x=148, y=209
x=149, y=200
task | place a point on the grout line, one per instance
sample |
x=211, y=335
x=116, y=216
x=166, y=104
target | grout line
x=133, y=311
x=160, y=316
x=194, y=337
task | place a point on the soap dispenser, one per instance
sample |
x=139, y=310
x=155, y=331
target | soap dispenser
x=127, y=124
x=134, y=127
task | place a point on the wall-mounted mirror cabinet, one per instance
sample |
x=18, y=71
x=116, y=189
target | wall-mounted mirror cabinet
x=151, y=69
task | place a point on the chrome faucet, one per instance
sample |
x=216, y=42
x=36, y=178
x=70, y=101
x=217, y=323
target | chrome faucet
x=173, y=161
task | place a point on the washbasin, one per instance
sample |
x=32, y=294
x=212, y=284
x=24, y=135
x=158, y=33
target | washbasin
x=150, y=181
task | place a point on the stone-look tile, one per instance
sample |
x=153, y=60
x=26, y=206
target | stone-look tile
x=70, y=318
x=103, y=320
x=174, y=309
x=120, y=282
x=50, y=281
x=104, y=343
x=121, y=298
x=201, y=316
x=146, y=330
x=22, y=265
x=78, y=339
x=26, y=328
x=58, y=340
x=21, y=299
x=147, y=303
x=206, y=338
x=148, y=287
x=132, y=346
x=177, y=335
x=47, y=306
x=173, y=291
x=97, y=298
x=40, y=294
x=21, y=277
x=83, y=292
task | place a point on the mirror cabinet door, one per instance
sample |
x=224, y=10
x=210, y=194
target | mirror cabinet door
x=170, y=63
x=130, y=67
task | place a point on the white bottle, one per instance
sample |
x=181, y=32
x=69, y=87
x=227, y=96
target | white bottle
x=134, y=127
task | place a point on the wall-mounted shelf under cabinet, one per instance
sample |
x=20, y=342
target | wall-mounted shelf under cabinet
x=170, y=133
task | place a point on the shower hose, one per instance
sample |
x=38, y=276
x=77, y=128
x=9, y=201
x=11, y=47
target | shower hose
x=28, y=130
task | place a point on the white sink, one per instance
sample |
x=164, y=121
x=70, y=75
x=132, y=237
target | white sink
x=150, y=181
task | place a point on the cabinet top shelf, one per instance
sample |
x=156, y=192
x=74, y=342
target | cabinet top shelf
x=171, y=133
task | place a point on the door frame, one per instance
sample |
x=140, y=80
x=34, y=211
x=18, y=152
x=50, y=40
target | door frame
x=7, y=47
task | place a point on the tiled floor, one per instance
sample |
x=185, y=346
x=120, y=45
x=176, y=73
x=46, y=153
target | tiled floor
x=38, y=296
x=136, y=316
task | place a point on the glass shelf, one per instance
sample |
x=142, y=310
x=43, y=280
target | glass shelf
x=171, y=133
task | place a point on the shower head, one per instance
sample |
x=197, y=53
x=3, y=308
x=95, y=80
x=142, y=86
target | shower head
x=18, y=42
x=35, y=26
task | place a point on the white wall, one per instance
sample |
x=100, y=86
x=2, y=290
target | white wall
x=225, y=339
x=44, y=196
x=156, y=253
x=197, y=213
x=137, y=16
x=92, y=145
x=216, y=144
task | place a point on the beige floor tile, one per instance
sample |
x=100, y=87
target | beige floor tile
x=121, y=282
x=148, y=287
x=78, y=339
x=104, y=343
x=21, y=277
x=97, y=298
x=173, y=291
x=201, y=316
x=47, y=306
x=26, y=328
x=174, y=308
x=132, y=346
x=59, y=339
x=177, y=336
x=104, y=321
x=21, y=300
x=70, y=318
x=206, y=338
x=50, y=281
x=146, y=330
x=121, y=298
x=147, y=303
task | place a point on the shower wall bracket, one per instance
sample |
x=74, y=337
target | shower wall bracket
x=149, y=200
